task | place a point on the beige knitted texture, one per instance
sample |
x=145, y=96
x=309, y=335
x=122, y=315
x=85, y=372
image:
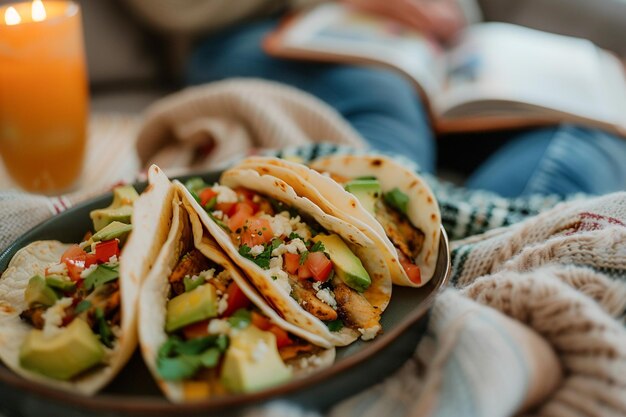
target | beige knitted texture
x=554, y=273
x=232, y=117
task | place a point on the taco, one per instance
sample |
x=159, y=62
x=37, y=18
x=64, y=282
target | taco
x=68, y=312
x=393, y=206
x=205, y=331
x=317, y=271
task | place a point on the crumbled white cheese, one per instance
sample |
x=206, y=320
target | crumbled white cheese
x=295, y=246
x=218, y=214
x=256, y=250
x=281, y=280
x=276, y=262
x=369, y=333
x=58, y=269
x=222, y=305
x=309, y=361
x=260, y=350
x=113, y=260
x=85, y=272
x=218, y=326
x=300, y=228
x=53, y=316
x=207, y=275
x=327, y=297
x=225, y=194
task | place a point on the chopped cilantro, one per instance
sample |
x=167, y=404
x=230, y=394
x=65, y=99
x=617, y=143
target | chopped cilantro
x=366, y=178
x=195, y=184
x=106, y=335
x=220, y=223
x=335, y=325
x=240, y=319
x=211, y=203
x=303, y=256
x=82, y=306
x=397, y=199
x=262, y=259
x=274, y=277
x=178, y=359
x=100, y=276
x=318, y=247
x=294, y=235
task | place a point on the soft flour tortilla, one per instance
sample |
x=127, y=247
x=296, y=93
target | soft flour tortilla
x=149, y=233
x=379, y=292
x=423, y=211
x=153, y=303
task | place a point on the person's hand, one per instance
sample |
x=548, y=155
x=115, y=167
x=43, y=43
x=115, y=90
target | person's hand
x=441, y=19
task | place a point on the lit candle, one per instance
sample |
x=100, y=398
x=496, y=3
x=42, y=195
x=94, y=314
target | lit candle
x=43, y=93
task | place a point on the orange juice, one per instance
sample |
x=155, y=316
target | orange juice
x=43, y=94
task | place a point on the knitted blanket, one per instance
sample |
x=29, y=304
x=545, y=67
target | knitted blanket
x=534, y=323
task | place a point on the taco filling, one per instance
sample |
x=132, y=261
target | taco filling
x=217, y=340
x=74, y=304
x=390, y=210
x=314, y=267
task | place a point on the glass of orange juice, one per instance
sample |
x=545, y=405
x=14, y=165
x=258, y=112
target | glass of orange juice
x=43, y=94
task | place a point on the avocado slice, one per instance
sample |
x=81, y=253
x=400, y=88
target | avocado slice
x=102, y=217
x=66, y=354
x=190, y=307
x=367, y=191
x=252, y=362
x=124, y=196
x=60, y=282
x=120, y=210
x=347, y=265
x=112, y=230
x=37, y=292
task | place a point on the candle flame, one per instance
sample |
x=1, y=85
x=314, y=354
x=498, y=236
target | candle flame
x=12, y=17
x=38, y=11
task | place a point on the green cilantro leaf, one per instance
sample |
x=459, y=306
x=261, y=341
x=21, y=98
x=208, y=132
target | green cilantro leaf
x=82, y=306
x=106, y=335
x=335, y=325
x=318, y=247
x=100, y=276
x=240, y=319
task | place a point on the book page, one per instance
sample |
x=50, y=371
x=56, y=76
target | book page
x=336, y=29
x=512, y=66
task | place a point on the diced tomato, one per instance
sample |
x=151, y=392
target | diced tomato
x=282, y=337
x=412, y=270
x=76, y=261
x=104, y=250
x=291, y=262
x=304, y=272
x=236, y=300
x=256, y=232
x=319, y=265
x=196, y=330
x=242, y=212
x=206, y=195
x=263, y=323
x=246, y=195
x=260, y=321
x=226, y=208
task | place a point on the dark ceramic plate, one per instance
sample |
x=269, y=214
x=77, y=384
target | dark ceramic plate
x=134, y=393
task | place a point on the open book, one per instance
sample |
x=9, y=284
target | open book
x=498, y=75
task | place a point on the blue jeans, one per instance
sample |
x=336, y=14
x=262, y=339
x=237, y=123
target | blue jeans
x=385, y=109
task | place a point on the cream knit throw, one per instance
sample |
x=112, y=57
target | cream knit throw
x=230, y=117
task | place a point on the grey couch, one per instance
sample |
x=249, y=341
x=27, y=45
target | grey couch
x=130, y=66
